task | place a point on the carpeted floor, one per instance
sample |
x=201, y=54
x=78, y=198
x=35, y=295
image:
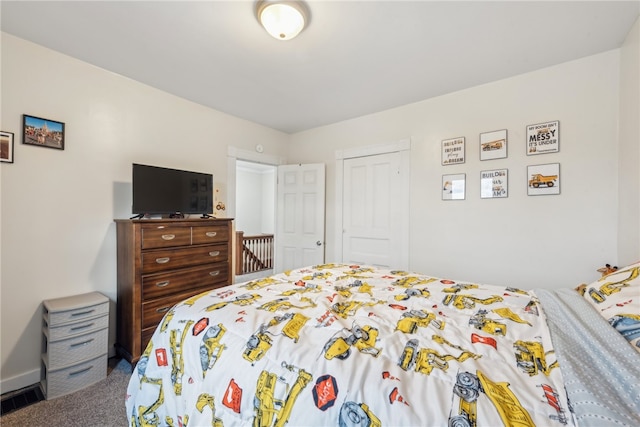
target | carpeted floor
x=101, y=404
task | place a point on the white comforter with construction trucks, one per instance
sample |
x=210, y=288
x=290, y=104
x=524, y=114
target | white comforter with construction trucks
x=351, y=345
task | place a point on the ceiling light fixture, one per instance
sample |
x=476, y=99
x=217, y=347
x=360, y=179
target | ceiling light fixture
x=282, y=19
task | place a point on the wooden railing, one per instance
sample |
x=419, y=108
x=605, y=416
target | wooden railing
x=253, y=253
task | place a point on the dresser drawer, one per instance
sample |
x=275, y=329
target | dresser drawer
x=73, y=350
x=169, y=259
x=55, y=333
x=153, y=311
x=164, y=236
x=210, y=234
x=64, y=381
x=162, y=262
x=76, y=314
x=163, y=284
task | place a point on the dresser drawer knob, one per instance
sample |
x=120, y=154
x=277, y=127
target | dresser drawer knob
x=162, y=284
x=214, y=273
x=78, y=344
x=162, y=309
x=168, y=236
x=214, y=253
x=211, y=233
x=163, y=260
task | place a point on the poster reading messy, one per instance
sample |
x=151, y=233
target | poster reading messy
x=543, y=138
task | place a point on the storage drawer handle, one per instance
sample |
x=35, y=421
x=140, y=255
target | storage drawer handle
x=211, y=233
x=214, y=273
x=163, y=260
x=82, y=313
x=162, y=284
x=168, y=236
x=75, y=328
x=80, y=371
x=214, y=253
x=78, y=344
x=162, y=309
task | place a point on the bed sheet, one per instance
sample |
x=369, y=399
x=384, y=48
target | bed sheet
x=351, y=345
x=600, y=370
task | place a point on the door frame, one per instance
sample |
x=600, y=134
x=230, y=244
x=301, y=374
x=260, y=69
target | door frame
x=234, y=154
x=402, y=146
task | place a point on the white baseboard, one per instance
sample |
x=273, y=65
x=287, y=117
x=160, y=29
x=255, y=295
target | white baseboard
x=20, y=381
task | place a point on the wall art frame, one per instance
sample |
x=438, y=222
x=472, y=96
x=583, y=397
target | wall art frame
x=543, y=179
x=453, y=151
x=493, y=145
x=453, y=186
x=6, y=147
x=43, y=132
x=494, y=184
x=543, y=138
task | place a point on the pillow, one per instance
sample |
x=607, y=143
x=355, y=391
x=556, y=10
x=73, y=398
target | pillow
x=616, y=296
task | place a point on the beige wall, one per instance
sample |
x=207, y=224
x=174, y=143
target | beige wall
x=524, y=241
x=629, y=172
x=58, y=235
x=57, y=207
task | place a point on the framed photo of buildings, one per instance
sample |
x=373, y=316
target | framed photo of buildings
x=42, y=132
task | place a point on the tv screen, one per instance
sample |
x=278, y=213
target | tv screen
x=158, y=190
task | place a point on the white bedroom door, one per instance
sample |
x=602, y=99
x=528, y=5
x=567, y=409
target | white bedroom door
x=372, y=211
x=299, y=238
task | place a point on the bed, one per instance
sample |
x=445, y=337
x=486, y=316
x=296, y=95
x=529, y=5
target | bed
x=355, y=345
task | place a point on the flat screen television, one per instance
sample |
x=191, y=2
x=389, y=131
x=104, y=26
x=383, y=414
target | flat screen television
x=173, y=192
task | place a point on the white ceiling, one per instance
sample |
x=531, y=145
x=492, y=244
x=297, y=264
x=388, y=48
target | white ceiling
x=355, y=57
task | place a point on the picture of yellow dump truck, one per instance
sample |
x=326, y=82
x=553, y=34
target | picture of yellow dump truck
x=538, y=180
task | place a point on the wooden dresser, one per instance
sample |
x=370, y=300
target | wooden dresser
x=160, y=263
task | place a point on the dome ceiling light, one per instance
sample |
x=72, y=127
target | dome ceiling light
x=282, y=19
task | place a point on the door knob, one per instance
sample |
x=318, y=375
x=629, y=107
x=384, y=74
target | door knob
x=318, y=243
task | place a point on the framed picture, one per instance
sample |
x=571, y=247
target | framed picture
x=453, y=186
x=543, y=179
x=6, y=147
x=42, y=132
x=543, y=138
x=493, y=145
x=494, y=184
x=453, y=151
